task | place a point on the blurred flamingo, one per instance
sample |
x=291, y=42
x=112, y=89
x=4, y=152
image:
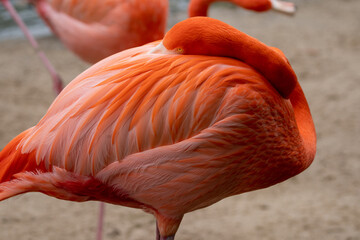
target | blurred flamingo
x=82, y=25
x=169, y=127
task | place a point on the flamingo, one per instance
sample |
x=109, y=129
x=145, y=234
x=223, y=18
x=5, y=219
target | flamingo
x=169, y=127
x=117, y=25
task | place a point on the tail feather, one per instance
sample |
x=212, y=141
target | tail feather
x=13, y=161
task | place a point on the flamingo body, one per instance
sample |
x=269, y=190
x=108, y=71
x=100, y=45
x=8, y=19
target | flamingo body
x=167, y=133
x=95, y=29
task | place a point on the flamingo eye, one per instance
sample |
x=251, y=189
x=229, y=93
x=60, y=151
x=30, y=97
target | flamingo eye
x=179, y=50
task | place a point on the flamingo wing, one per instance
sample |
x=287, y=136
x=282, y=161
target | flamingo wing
x=166, y=132
x=130, y=109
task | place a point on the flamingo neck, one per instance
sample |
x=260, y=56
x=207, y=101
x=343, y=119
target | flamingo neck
x=305, y=123
x=207, y=36
x=200, y=7
x=270, y=62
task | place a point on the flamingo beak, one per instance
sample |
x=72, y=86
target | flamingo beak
x=284, y=7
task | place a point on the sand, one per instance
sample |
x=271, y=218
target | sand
x=322, y=42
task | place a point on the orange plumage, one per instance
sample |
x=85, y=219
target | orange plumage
x=166, y=132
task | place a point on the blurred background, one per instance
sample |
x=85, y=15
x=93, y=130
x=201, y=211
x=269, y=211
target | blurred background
x=322, y=42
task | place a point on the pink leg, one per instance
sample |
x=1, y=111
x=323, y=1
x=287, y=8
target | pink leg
x=57, y=83
x=100, y=221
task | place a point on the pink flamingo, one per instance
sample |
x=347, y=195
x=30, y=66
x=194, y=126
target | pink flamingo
x=169, y=127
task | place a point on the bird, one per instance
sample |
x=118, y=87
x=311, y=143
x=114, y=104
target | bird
x=118, y=25
x=169, y=127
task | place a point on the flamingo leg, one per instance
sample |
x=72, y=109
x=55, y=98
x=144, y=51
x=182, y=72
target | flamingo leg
x=159, y=237
x=100, y=221
x=57, y=82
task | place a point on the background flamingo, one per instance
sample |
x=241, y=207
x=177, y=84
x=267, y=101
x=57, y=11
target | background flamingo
x=169, y=133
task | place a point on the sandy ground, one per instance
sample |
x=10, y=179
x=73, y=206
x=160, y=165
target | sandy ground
x=322, y=42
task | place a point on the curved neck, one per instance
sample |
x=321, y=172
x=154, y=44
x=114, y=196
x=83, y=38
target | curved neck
x=200, y=7
x=207, y=36
x=304, y=122
x=267, y=60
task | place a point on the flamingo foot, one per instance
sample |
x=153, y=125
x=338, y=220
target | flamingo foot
x=284, y=7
